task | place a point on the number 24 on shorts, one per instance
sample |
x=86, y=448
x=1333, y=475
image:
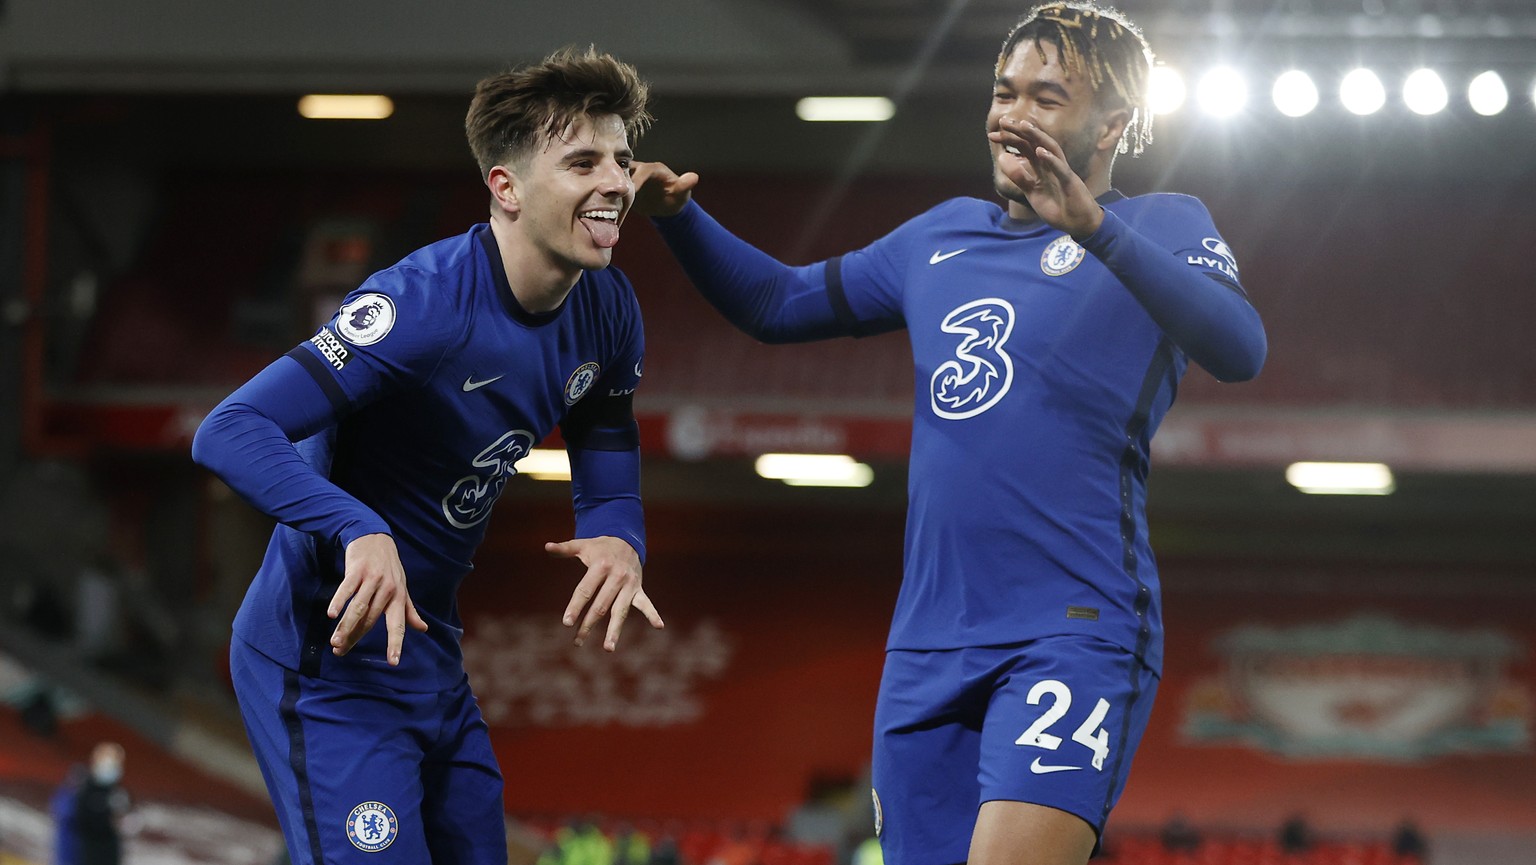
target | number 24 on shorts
x=1091, y=733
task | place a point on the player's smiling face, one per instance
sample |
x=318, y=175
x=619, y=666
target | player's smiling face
x=1030, y=89
x=574, y=192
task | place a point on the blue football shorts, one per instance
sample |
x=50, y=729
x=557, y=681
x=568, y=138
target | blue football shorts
x=1053, y=722
x=365, y=775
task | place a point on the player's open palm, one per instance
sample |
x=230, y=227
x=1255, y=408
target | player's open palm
x=659, y=191
x=373, y=587
x=611, y=585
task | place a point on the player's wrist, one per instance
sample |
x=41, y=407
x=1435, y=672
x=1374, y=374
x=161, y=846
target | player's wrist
x=1091, y=226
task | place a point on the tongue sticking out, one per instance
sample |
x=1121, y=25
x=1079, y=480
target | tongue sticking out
x=604, y=233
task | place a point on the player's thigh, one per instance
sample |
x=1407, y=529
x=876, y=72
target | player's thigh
x=927, y=743
x=1023, y=833
x=462, y=799
x=1063, y=725
x=342, y=762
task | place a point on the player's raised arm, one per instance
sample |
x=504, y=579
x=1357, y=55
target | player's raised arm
x=757, y=293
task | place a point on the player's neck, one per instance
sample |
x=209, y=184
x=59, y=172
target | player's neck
x=538, y=283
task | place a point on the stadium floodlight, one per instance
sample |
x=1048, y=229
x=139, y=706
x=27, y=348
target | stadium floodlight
x=345, y=106
x=1362, y=92
x=1487, y=94
x=545, y=464
x=845, y=109
x=1222, y=92
x=815, y=470
x=1424, y=93
x=1341, y=479
x=1165, y=91
x=1295, y=95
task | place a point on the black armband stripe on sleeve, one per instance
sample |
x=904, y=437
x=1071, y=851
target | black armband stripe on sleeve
x=602, y=424
x=839, y=298
x=320, y=371
x=1228, y=282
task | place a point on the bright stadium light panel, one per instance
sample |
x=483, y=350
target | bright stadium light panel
x=1341, y=479
x=845, y=109
x=545, y=464
x=1424, y=93
x=815, y=470
x=1166, y=91
x=342, y=106
x=1295, y=95
x=1362, y=92
x=1487, y=94
x=1222, y=92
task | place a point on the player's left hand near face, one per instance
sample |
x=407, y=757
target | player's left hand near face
x=373, y=586
x=611, y=584
x=1039, y=167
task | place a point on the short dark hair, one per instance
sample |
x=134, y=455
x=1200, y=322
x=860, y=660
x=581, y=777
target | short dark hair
x=512, y=111
x=1107, y=46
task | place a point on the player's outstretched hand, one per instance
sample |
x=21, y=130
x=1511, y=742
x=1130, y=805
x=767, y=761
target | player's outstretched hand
x=373, y=586
x=612, y=582
x=659, y=191
x=1037, y=164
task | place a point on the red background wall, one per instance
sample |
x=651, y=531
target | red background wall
x=805, y=596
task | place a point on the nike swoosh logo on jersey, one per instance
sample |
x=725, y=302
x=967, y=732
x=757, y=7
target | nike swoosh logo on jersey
x=938, y=257
x=470, y=383
x=1046, y=770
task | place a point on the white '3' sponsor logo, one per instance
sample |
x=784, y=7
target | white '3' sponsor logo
x=980, y=372
x=470, y=500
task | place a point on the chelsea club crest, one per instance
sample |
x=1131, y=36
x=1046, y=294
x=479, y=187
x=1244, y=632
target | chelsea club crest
x=372, y=826
x=576, y=386
x=1061, y=256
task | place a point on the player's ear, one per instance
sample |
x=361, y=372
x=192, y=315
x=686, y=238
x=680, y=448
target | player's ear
x=1114, y=123
x=504, y=189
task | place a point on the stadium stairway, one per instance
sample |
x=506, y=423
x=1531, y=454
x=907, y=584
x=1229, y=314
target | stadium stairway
x=197, y=794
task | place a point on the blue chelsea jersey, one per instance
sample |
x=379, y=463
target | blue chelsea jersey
x=1040, y=381
x=442, y=382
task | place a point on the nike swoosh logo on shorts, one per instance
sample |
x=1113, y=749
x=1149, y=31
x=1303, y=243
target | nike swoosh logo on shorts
x=470, y=383
x=938, y=257
x=1046, y=770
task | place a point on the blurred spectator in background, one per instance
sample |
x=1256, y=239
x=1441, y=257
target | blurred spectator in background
x=99, y=805
x=1295, y=835
x=739, y=848
x=665, y=852
x=579, y=842
x=1178, y=836
x=630, y=846
x=868, y=852
x=1409, y=841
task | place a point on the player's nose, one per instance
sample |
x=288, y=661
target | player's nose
x=615, y=180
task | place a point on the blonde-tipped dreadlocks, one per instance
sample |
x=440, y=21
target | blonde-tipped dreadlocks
x=1102, y=43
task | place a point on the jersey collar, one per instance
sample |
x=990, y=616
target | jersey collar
x=504, y=288
x=1025, y=226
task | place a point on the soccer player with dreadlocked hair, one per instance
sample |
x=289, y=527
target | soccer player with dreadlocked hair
x=1048, y=336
